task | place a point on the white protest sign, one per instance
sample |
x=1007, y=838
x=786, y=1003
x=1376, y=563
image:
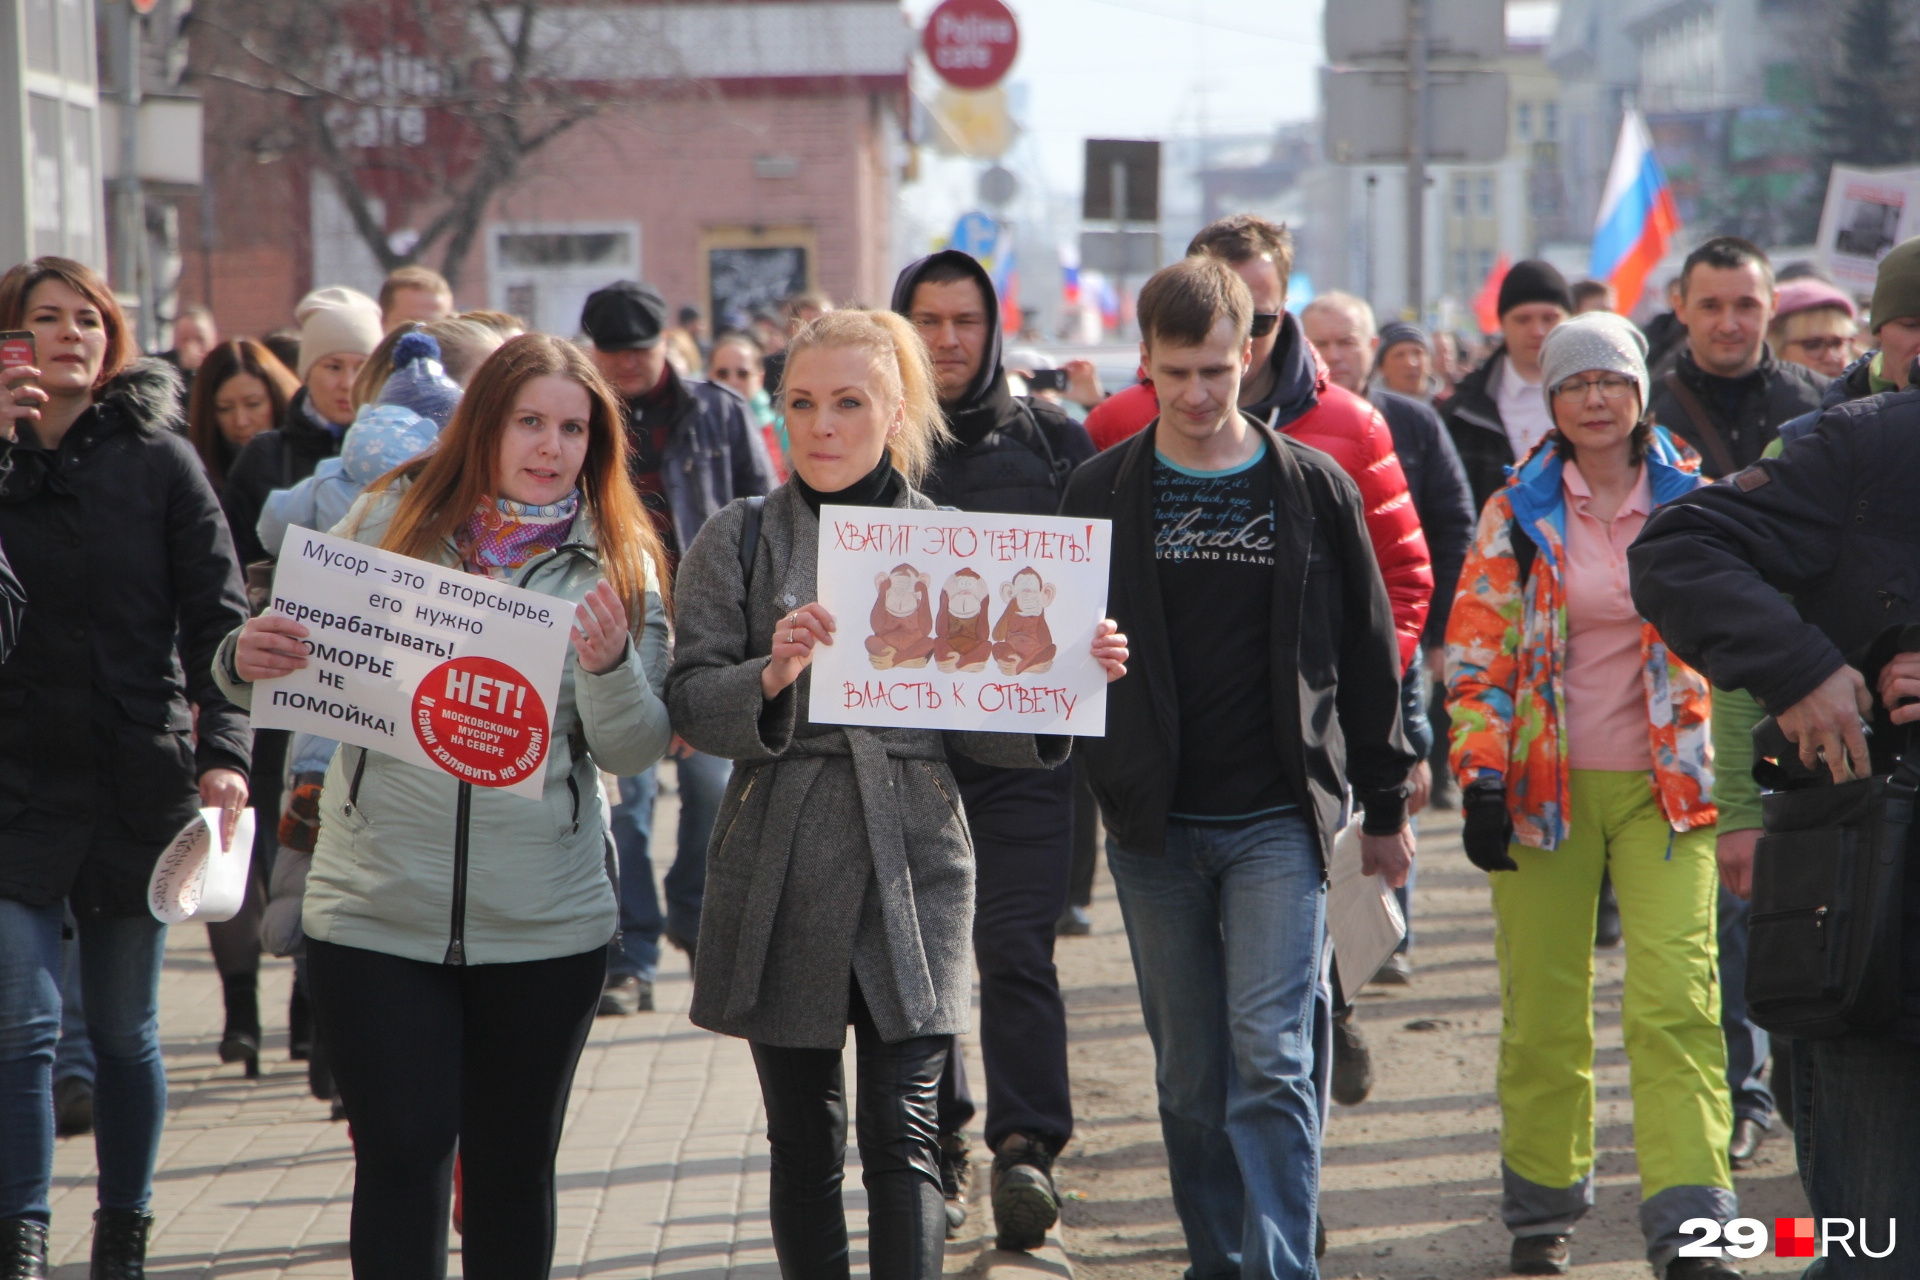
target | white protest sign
x=1867, y=212
x=439, y=668
x=962, y=620
x=201, y=876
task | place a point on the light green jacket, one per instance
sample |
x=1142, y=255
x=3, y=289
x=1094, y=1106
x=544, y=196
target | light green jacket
x=537, y=881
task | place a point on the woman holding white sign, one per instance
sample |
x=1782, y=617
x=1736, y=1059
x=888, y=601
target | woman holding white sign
x=840, y=886
x=457, y=934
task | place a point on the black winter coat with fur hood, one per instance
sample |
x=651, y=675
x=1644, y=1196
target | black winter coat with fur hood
x=128, y=572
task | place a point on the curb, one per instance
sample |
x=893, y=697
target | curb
x=1050, y=1259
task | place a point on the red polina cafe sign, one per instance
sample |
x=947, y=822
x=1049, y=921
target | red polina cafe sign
x=971, y=43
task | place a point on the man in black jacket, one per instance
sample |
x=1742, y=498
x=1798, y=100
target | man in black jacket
x=1008, y=455
x=1265, y=682
x=1726, y=395
x=1832, y=524
x=692, y=451
x=1498, y=413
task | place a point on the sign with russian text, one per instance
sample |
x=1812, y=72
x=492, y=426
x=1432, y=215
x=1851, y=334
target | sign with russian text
x=962, y=620
x=433, y=666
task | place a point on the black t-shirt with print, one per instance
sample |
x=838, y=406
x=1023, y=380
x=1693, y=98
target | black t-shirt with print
x=1213, y=552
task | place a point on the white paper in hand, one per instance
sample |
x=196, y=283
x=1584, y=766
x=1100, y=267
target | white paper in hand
x=199, y=878
x=1363, y=916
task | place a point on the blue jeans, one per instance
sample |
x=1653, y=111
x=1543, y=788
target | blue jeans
x=1225, y=930
x=1856, y=1126
x=702, y=781
x=74, y=1057
x=1747, y=1043
x=120, y=968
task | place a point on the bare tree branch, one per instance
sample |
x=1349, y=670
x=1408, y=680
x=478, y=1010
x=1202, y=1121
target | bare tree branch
x=437, y=130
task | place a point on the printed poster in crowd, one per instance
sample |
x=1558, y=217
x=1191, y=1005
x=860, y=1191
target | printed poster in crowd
x=433, y=666
x=1867, y=212
x=962, y=620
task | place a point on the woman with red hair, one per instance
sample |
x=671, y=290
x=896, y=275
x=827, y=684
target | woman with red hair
x=457, y=935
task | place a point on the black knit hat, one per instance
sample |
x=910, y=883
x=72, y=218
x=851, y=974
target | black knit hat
x=1534, y=281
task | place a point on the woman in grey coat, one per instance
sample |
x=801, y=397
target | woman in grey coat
x=840, y=879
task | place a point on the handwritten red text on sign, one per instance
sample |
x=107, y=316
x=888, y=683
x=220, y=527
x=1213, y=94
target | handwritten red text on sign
x=903, y=538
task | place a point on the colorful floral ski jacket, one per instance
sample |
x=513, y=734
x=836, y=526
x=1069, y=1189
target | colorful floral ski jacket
x=1507, y=641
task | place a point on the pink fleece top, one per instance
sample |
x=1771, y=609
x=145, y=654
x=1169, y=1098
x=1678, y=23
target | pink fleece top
x=1606, y=692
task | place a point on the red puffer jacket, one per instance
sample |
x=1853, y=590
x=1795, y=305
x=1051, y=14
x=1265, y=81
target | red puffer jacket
x=1306, y=405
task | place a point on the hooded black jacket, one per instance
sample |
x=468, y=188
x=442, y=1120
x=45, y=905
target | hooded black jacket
x=1009, y=455
x=276, y=459
x=124, y=555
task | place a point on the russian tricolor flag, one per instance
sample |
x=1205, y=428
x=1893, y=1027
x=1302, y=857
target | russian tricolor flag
x=1637, y=215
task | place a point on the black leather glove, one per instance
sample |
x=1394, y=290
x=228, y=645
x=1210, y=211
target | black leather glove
x=1488, y=828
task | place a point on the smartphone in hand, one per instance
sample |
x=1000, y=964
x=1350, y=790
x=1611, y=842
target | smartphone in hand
x=1047, y=380
x=16, y=349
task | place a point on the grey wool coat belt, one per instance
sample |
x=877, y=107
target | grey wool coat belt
x=840, y=854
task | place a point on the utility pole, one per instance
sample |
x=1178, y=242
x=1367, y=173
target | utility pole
x=130, y=273
x=1120, y=227
x=1417, y=145
x=1411, y=82
x=1373, y=181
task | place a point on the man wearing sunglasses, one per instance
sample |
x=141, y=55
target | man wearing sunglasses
x=1289, y=389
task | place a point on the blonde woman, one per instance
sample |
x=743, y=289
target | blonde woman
x=840, y=885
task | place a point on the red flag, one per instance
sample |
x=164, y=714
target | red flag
x=1486, y=303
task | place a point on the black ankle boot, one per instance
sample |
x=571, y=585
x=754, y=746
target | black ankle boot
x=299, y=1026
x=241, y=1041
x=120, y=1244
x=23, y=1249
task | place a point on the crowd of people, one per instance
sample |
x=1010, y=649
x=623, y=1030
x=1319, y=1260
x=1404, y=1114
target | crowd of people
x=1351, y=580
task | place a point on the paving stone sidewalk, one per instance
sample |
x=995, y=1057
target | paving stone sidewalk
x=662, y=1170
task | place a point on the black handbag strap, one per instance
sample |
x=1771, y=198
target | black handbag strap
x=1711, y=442
x=750, y=537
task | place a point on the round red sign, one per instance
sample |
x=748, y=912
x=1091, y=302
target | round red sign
x=971, y=43
x=481, y=721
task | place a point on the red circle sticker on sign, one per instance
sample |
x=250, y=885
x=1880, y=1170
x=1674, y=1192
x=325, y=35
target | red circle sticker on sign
x=481, y=721
x=971, y=43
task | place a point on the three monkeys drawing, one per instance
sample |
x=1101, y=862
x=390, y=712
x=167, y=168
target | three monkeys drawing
x=907, y=633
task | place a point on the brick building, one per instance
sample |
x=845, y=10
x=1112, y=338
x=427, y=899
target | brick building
x=751, y=148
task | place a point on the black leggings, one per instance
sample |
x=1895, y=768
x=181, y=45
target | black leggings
x=805, y=1093
x=430, y=1055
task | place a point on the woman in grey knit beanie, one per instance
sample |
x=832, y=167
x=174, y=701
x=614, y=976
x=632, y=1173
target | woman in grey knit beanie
x=1582, y=747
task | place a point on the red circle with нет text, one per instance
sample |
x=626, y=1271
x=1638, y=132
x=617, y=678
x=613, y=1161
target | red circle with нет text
x=971, y=43
x=481, y=721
